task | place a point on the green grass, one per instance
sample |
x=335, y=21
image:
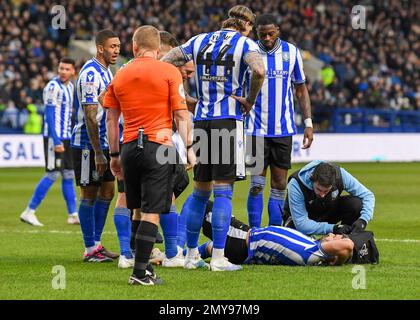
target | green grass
x=27, y=258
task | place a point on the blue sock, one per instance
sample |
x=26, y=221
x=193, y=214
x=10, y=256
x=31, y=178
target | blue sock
x=101, y=211
x=255, y=202
x=87, y=221
x=169, y=224
x=122, y=223
x=41, y=190
x=69, y=193
x=275, y=207
x=222, y=212
x=182, y=224
x=195, y=211
x=203, y=252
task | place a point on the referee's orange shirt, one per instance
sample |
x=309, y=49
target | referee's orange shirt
x=147, y=91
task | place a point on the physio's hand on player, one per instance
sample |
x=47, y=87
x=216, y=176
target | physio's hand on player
x=342, y=229
x=308, y=137
x=100, y=163
x=358, y=225
x=116, y=169
x=59, y=148
x=246, y=104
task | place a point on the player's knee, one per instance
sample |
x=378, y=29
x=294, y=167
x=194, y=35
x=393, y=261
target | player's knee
x=68, y=174
x=107, y=191
x=279, y=183
x=257, y=185
x=53, y=175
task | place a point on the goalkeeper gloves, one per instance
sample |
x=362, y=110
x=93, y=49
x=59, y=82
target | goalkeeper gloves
x=342, y=229
x=358, y=225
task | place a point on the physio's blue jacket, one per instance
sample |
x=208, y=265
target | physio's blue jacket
x=297, y=206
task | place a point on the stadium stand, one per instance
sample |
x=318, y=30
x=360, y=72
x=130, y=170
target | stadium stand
x=377, y=68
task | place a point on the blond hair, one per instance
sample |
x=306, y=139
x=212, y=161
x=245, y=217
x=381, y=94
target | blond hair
x=238, y=17
x=147, y=37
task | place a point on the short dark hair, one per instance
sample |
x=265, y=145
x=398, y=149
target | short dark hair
x=266, y=19
x=68, y=61
x=104, y=35
x=325, y=174
x=168, y=39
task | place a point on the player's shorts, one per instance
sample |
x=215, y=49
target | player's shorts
x=236, y=249
x=85, y=169
x=148, y=184
x=220, y=149
x=55, y=161
x=277, y=151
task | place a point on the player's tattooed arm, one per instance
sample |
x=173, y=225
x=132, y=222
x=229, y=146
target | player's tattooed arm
x=256, y=64
x=91, y=111
x=175, y=57
x=302, y=95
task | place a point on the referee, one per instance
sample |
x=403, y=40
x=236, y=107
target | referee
x=149, y=93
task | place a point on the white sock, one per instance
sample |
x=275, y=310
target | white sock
x=90, y=250
x=218, y=253
x=73, y=214
x=97, y=243
x=30, y=211
x=192, y=252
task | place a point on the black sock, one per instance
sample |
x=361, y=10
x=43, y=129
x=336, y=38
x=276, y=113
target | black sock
x=145, y=239
x=134, y=227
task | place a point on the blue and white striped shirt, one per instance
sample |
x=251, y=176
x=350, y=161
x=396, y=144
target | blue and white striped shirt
x=220, y=72
x=273, y=112
x=285, y=246
x=60, y=96
x=93, y=79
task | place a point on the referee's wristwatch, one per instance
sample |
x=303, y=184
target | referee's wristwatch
x=114, y=154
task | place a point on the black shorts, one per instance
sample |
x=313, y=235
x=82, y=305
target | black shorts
x=277, y=152
x=220, y=149
x=55, y=161
x=236, y=249
x=85, y=170
x=148, y=184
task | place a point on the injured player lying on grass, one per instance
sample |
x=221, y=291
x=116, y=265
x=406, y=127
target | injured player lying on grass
x=275, y=245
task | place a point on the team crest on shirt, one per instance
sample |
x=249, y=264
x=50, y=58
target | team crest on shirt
x=286, y=56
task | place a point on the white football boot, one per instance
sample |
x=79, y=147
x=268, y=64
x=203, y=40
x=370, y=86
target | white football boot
x=28, y=216
x=73, y=218
x=125, y=263
x=223, y=265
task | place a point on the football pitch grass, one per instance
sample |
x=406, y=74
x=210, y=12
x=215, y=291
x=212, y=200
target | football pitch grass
x=28, y=254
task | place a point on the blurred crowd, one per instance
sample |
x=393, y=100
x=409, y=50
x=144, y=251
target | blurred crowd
x=376, y=67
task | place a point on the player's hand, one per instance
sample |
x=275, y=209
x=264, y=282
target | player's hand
x=358, y=225
x=245, y=103
x=191, y=157
x=342, y=229
x=115, y=166
x=59, y=148
x=100, y=163
x=308, y=137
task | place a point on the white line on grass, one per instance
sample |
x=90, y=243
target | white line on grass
x=114, y=233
